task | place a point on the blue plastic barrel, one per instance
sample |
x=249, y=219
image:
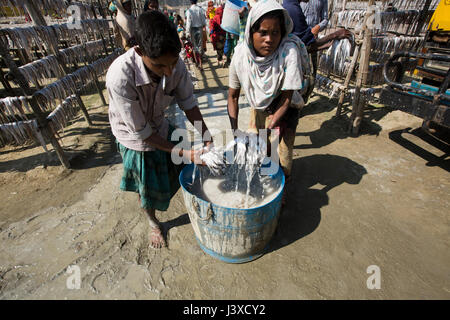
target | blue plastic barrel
x=229, y=234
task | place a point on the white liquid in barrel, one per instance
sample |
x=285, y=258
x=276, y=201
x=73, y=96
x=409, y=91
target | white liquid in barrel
x=240, y=186
x=233, y=190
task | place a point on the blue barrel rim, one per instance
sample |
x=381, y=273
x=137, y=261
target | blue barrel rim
x=222, y=207
x=233, y=260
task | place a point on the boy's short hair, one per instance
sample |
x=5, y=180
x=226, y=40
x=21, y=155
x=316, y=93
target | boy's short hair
x=156, y=35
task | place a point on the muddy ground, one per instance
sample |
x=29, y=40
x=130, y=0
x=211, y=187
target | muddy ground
x=378, y=199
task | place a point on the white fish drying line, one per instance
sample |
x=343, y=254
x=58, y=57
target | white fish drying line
x=22, y=131
x=50, y=35
x=19, y=131
x=59, y=6
x=14, y=107
x=398, y=4
x=70, y=84
x=417, y=4
x=382, y=46
x=398, y=21
x=45, y=68
x=43, y=5
x=335, y=59
x=64, y=112
x=83, y=52
x=331, y=87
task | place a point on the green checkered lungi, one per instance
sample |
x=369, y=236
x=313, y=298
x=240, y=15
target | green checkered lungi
x=152, y=174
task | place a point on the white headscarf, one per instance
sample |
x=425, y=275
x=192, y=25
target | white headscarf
x=125, y=21
x=262, y=78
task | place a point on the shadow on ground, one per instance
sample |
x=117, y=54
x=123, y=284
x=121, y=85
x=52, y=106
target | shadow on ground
x=400, y=137
x=336, y=128
x=312, y=178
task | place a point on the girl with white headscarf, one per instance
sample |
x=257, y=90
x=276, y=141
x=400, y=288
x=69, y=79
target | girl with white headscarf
x=273, y=68
x=124, y=23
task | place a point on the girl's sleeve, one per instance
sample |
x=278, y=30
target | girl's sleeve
x=233, y=80
x=293, y=71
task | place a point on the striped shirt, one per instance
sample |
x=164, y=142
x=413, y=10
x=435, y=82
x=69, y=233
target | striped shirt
x=195, y=17
x=137, y=99
x=316, y=13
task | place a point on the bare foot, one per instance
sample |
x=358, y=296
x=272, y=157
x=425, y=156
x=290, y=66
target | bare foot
x=156, y=238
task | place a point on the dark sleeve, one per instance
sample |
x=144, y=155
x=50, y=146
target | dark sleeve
x=301, y=28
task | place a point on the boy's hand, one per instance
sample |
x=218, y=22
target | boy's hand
x=194, y=156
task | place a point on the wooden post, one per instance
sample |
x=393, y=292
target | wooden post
x=40, y=117
x=5, y=82
x=99, y=89
x=35, y=14
x=348, y=77
x=83, y=108
x=357, y=108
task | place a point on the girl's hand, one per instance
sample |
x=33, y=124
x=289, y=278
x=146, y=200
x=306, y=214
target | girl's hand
x=277, y=117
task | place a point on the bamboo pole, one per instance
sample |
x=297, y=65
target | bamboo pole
x=358, y=106
x=355, y=58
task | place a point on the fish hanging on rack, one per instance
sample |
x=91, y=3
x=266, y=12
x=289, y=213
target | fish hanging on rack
x=63, y=113
x=45, y=68
x=94, y=48
x=73, y=55
x=335, y=59
x=382, y=46
x=15, y=107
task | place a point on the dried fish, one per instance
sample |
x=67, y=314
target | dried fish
x=45, y=68
x=64, y=112
x=335, y=59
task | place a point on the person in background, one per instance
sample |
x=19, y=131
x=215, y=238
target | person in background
x=269, y=66
x=142, y=83
x=180, y=24
x=231, y=41
x=124, y=26
x=195, y=22
x=218, y=35
x=303, y=31
x=243, y=14
x=171, y=17
x=151, y=5
x=113, y=8
x=316, y=14
x=210, y=12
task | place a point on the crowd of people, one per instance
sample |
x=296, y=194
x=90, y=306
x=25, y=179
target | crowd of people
x=272, y=60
